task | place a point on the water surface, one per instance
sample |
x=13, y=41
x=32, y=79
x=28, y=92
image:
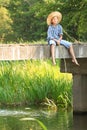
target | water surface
x=53, y=120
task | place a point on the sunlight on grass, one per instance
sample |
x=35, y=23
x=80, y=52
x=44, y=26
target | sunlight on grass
x=30, y=82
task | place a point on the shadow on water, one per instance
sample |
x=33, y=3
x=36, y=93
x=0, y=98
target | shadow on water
x=79, y=121
x=53, y=120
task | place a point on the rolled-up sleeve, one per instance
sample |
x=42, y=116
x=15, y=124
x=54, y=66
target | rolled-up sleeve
x=60, y=30
x=49, y=33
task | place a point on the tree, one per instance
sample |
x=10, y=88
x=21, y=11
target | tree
x=75, y=17
x=5, y=23
x=4, y=3
x=29, y=18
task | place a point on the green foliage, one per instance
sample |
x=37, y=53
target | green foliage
x=29, y=19
x=4, y=3
x=5, y=23
x=31, y=82
x=75, y=14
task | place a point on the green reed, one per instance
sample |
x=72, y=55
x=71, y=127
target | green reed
x=35, y=120
x=30, y=82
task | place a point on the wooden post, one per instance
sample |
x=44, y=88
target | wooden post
x=79, y=83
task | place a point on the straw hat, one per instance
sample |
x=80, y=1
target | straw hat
x=53, y=14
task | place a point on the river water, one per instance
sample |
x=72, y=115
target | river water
x=11, y=119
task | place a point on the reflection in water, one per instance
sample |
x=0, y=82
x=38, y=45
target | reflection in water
x=60, y=120
x=80, y=122
x=53, y=120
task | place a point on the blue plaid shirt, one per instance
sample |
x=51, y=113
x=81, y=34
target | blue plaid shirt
x=54, y=32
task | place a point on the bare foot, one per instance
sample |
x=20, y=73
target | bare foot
x=75, y=62
x=54, y=63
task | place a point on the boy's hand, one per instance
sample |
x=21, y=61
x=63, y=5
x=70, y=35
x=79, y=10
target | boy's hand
x=58, y=42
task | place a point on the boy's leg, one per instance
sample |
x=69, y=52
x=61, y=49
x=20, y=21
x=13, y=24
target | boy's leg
x=52, y=44
x=52, y=49
x=71, y=51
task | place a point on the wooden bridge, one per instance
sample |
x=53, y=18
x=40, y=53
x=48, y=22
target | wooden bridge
x=42, y=51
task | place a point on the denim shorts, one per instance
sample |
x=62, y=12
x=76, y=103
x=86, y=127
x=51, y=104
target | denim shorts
x=62, y=42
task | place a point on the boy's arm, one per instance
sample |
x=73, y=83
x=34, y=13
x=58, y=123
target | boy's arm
x=49, y=34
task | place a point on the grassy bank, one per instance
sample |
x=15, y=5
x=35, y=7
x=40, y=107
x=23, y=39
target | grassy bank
x=31, y=82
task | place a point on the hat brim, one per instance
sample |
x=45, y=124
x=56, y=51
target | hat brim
x=53, y=14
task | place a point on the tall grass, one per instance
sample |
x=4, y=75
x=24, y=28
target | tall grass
x=30, y=82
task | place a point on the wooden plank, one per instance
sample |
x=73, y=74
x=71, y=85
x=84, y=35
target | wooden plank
x=38, y=51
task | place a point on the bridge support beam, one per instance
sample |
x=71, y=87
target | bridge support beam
x=80, y=93
x=79, y=83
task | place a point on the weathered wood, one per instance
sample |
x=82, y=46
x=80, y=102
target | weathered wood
x=79, y=82
x=80, y=93
x=24, y=51
x=38, y=51
x=68, y=67
x=79, y=49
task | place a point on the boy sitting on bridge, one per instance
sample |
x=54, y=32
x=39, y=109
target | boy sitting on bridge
x=54, y=36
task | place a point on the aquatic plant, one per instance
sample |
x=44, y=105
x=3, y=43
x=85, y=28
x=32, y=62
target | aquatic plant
x=30, y=82
x=36, y=120
x=49, y=104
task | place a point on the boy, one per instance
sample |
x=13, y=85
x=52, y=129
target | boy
x=54, y=36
